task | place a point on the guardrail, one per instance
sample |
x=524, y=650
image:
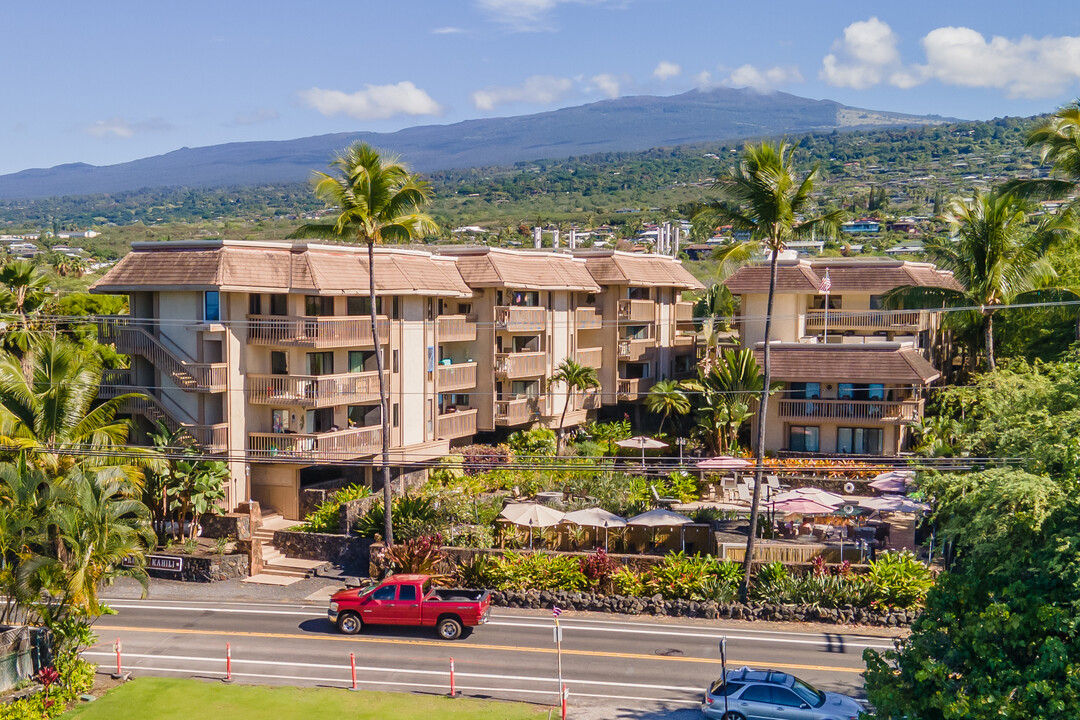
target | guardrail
x=316, y=332
x=461, y=423
x=314, y=391
x=518, y=411
x=459, y=376
x=903, y=411
x=517, y=318
x=588, y=318
x=523, y=364
x=590, y=357
x=868, y=320
x=319, y=447
x=456, y=328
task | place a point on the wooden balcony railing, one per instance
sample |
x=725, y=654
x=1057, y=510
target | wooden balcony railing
x=459, y=376
x=635, y=349
x=315, y=332
x=588, y=318
x=517, y=318
x=684, y=312
x=839, y=320
x=896, y=412
x=458, y=424
x=316, y=447
x=637, y=311
x=683, y=339
x=634, y=389
x=590, y=357
x=456, y=328
x=132, y=337
x=518, y=411
x=520, y=365
x=314, y=391
x=586, y=401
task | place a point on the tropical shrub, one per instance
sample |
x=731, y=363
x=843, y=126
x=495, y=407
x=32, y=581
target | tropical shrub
x=899, y=580
x=773, y=583
x=627, y=582
x=537, y=571
x=325, y=517
x=537, y=441
x=598, y=569
x=416, y=555
x=475, y=573
x=413, y=516
x=482, y=458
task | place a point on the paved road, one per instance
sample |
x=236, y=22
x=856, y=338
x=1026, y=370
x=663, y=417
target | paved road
x=614, y=666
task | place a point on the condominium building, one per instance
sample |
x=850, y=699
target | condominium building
x=263, y=352
x=853, y=373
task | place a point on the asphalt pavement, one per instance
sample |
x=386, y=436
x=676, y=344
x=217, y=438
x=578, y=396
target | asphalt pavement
x=613, y=666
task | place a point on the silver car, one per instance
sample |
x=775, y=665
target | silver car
x=769, y=695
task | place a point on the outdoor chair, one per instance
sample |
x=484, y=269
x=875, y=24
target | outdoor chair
x=744, y=493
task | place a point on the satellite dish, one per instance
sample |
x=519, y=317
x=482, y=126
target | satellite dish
x=849, y=509
x=849, y=487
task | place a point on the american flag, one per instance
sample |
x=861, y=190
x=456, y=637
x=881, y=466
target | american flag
x=556, y=611
x=826, y=283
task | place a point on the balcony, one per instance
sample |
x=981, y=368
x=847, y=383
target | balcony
x=588, y=318
x=586, y=401
x=314, y=391
x=458, y=424
x=590, y=357
x=460, y=376
x=635, y=348
x=456, y=328
x=684, y=339
x=518, y=411
x=315, y=332
x=684, y=312
x=520, y=365
x=637, y=311
x=634, y=388
x=515, y=318
x=900, y=412
x=316, y=447
x=869, y=320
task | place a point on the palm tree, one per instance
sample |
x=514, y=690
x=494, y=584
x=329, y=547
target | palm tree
x=24, y=292
x=48, y=413
x=764, y=197
x=665, y=399
x=376, y=199
x=999, y=257
x=574, y=376
x=1058, y=140
x=724, y=390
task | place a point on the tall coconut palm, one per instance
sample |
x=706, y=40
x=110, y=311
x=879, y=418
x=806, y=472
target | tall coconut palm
x=765, y=197
x=575, y=377
x=999, y=257
x=24, y=292
x=667, y=398
x=1058, y=141
x=377, y=200
x=48, y=413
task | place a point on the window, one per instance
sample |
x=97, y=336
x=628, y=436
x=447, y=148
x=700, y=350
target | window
x=320, y=363
x=279, y=304
x=876, y=391
x=527, y=299
x=757, y=693
x=279, y=363
x=526, y=343
x=384, y=593
x=255, y=304
x=212, y=306
x=396, y=308
x=783, y=696
x=279, y=421
x=845, y=391
x=528, y=388
x=396, y=359
x=809, y=694
x=721, y=689
x=859, y=441
x=464, y=308
x=407, y=593
x=357, y=305
x=319, y=421
x=317, y=306
x=358, y=415
x=803, y=438
x=805, y=390
x=397, y=415
x=875, y=302
x=817, y=302
x=358, y=360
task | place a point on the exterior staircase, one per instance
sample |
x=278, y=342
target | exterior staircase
x=279, y=569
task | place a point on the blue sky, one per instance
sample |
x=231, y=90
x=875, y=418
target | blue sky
x=108, y=82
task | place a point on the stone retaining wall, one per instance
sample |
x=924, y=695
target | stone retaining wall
x=234, y=525
x=656, y=605
x=207, y=568
x=348, y=551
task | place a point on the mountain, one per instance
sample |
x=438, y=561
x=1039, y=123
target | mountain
x=623, y=124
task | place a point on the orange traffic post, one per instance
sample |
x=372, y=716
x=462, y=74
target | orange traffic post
x=352, y=665
x=228, y=662
x=453, y=692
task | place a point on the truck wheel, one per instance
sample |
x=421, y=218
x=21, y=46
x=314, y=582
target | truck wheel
x=349, y=623
x=450, y=628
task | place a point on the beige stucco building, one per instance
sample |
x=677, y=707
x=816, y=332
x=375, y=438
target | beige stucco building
x=263, y=352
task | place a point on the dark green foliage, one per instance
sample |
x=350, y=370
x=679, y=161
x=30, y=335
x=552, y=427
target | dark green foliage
x=413, y=516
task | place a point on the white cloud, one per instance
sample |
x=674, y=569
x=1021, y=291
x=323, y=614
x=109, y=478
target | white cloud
x=536, y=90
x=607, y=84
x=863, y=57
x=1027, y=67
x=666, y=70
x=374, y=102
x=703, y=79
x=765, y=80
x=262, y=115
x=447, y=31
x=121, y=128
x=532, y=15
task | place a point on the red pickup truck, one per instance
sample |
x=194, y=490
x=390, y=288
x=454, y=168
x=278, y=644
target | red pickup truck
x=409, y=600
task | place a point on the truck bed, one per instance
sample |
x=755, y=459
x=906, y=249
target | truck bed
x=458, y=595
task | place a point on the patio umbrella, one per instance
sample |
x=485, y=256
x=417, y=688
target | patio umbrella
x=893, y=481
x=723, y=462
x=894, y=503
x=661, y=518
x=533, y=515
x=643, y=442
x=822, y=497
x=803, y=506
x=596, y=517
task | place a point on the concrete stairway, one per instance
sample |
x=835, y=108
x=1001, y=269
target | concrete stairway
x=279, y=569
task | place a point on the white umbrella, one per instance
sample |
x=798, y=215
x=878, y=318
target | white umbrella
x=818, y=495
x=595, y=517
x=643, y=442
x=533, y=515
x=893, y=481
x=723, y=462
x=894, y=503
x=661, y=518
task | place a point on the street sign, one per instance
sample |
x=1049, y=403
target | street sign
x=165, y=563
x=557, y=634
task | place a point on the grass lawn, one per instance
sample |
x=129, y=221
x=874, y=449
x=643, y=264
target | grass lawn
x=169, y=699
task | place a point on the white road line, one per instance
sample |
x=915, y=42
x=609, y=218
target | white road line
x=239, y=611
x=442, y=673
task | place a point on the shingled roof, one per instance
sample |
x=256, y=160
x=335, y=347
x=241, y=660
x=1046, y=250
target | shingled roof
x=877, y=362
x=280, y=267
x=855, y=275
x=521, y=270
x=610, y=267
